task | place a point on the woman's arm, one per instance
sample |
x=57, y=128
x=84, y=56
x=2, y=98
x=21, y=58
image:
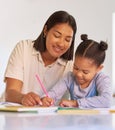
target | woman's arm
x=13, y=93
x=13, y=90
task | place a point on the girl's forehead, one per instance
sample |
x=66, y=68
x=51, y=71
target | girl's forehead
x=83, y=58
x=79, y=60
x=84, y=63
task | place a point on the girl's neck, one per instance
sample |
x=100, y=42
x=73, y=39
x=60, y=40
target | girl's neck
x=47, y=58
x=85, y=85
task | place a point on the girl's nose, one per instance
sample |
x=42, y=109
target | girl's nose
x=79, y=73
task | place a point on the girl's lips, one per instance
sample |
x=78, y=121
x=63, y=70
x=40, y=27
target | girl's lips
x=80, y=80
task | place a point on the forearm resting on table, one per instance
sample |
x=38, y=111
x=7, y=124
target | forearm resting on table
x=13, y=90
x=68, y=103
x=13, y=96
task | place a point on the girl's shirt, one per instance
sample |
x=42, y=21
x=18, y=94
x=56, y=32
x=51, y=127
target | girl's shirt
x=97, y=94
x=25, y=62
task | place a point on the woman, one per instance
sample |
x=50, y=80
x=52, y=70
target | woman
x=50, y=56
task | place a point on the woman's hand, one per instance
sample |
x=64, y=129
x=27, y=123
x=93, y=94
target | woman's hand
x=31, y=99
x=14, y=94
x=68, y=103
x=46, y=101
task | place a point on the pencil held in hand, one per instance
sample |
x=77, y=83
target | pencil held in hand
x=42, y=86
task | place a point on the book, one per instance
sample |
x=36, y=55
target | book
x=15, y=107
x=12, y=107
x=73, y=110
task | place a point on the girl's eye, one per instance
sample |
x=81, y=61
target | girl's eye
x=76, y=68
x=85, y=72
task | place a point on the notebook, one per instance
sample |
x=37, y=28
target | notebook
x=12, y=107
x=73, y=110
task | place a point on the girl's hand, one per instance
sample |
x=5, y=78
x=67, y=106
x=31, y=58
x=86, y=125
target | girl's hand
x=46, y=101
x=68, y=103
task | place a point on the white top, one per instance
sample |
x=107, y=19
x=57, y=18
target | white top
x=25, y=62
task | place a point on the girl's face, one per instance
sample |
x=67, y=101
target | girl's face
x=84, y=70
x=58, y=39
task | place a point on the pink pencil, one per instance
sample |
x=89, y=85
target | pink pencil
x=42, y=86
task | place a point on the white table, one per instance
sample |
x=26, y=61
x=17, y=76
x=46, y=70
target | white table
x=34, y=121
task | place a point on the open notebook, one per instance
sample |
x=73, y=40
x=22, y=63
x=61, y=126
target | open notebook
x=14, y=107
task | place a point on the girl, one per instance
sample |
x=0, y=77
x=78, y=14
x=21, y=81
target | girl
x=89, y=87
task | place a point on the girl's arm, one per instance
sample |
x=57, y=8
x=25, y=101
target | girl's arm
x=60, y=88
x=104, y=97
x=68, y=103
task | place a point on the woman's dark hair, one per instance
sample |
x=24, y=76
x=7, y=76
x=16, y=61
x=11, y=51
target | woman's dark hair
x=91, y=49
x=57, y=18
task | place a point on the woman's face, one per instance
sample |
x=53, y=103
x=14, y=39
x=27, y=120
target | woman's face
x=58, y=39
x=84, y=70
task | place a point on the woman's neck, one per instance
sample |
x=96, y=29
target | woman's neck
x=47, y=58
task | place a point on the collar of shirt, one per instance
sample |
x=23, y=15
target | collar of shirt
x=58, y=61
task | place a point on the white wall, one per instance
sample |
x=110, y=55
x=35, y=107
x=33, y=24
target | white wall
x=113, y=51
x=24, y=19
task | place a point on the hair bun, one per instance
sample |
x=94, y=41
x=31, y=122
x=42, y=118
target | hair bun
x=84, y=37
x=103, y=45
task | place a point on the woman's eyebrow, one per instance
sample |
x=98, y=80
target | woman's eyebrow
x=61, y=33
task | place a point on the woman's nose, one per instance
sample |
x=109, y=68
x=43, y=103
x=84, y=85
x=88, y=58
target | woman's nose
x=61, y=42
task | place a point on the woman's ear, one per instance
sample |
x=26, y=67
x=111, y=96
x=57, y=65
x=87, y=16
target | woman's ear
x=45, y=30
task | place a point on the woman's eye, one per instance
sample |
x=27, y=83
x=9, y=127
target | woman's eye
x=57, y=35
x=68, y=40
